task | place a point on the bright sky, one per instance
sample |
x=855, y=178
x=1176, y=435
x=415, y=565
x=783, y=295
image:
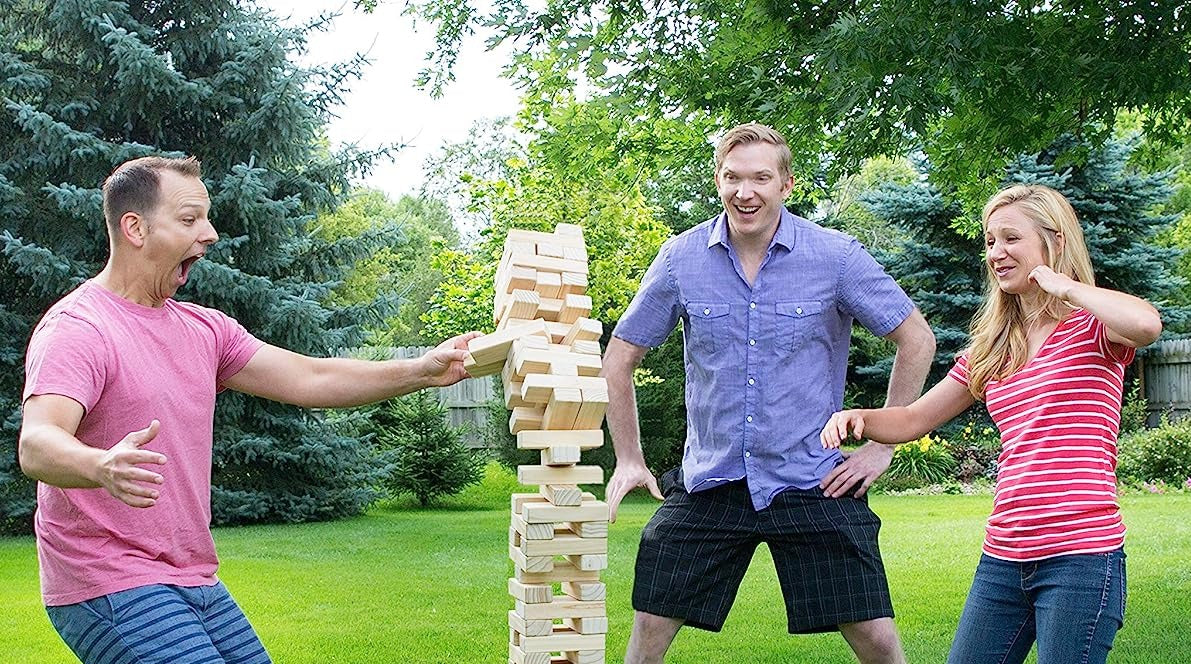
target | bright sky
x=385, y=106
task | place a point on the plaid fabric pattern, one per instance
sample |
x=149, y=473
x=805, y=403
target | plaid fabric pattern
x=696, y=548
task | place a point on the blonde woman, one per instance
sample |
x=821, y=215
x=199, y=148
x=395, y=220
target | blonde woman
x=1048, y=357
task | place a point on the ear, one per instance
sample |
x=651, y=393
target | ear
x=787, y=186
x=1060, y=241
x=134, y=228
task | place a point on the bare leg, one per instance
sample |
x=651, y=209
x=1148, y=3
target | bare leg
x=651, y=638
x=874, y=641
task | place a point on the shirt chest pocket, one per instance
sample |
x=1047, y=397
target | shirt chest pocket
x=797, y=322
x=706, y=326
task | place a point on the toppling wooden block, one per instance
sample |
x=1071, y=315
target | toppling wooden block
x=526, y=417
x=561, y=410
x=562, y=495
x=551, y=475
x=584, y=439
x=560, y=455
x=488, y=352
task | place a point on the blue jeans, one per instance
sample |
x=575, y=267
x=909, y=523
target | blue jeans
x=1072, y=605
x=159, y=624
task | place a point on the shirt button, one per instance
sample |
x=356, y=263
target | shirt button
x=751, y=381
x=752, y=305
x=747, y=455
x=798, y=311
x=752, y=342
x=749, y=418
x=708, y=311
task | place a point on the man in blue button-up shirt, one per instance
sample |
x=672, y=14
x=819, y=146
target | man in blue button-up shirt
x=767, y=301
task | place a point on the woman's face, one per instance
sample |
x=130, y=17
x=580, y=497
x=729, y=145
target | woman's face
x=1013, y=248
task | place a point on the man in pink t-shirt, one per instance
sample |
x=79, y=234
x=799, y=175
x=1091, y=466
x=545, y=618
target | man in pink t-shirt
x=119, y=405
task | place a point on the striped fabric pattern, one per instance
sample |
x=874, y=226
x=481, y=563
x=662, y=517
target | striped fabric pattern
x=159, y=624
x=1059, y=416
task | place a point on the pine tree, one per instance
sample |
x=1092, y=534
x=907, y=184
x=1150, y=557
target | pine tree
x=88, y=84
x=428, y=458
x=940, y=266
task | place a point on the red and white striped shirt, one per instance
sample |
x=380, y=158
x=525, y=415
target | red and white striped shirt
x=1059, y=415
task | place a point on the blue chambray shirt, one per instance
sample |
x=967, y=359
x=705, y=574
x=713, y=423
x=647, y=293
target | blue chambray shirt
x=765, y=365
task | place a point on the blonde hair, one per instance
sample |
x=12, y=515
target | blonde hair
x=999, y=343
x=755, y=133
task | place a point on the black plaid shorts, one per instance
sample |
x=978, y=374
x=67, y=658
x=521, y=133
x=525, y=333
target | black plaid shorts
x=696, y=548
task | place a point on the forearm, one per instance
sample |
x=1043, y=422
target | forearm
x=910, y=368
x=622, y=418
x=1131, y=318
x=51, y=455
x=342, y=382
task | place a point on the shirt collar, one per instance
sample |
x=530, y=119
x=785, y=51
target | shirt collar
x=786, y=231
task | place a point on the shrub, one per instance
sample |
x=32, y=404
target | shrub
x=925, y=461
x=975, y=449
x=1162, y=454
x=427, y=456
x=1134, y=410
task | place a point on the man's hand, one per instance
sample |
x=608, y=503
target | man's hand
x=624, y=479
x=443, y=366
x=858, y=471
x=119, y=472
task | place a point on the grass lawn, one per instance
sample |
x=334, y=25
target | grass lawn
x=406, y=585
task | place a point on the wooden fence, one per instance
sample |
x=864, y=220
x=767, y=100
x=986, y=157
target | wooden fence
x=466, y=401
x=1166, y=380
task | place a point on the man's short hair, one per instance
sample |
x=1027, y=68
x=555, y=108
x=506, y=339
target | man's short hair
x=755, y=133
x=135, y=185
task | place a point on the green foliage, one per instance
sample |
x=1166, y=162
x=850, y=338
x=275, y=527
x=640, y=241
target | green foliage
x=974, y=82
x=918, y=463
x=88, y=84
x=1134, y=410
x=426, y=455
x=975, y=448
x=1160, y=454
x=413, y=230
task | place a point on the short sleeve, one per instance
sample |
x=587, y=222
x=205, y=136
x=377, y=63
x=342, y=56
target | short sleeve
x=870, y=295
x=959, y=372
x=655, y=309
x=67, y=356
x=236, y=345
x=1109, y=348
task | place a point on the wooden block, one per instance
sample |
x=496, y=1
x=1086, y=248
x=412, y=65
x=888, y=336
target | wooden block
x=575, y=253
x=593, y=625
x=517, y=248
x=537, y=388
x=538, y=627
x=585, y=657
x=525, y=417
x=560, y=455
x=590, y=561
x=513, y=397
x=543, y=360
x=570, y=230
x=536, y=564
x=542, y=512
x=518, y=501
x=522, y=304
x=519, y=656
x=550, y=249
x=560, y=413
x=573, y=308
x=550, y=308
x=566, y=239
x=584, y=591
x=493, y=348
x=561, y=607
x=584, y=439
x=535, y=594
x=587, y=528
x=549, y=284
x=565, y=475
x=536, y=531
x=583, y=329
x=520, y=278
x=562, y=495
x=563, y=639
x=572, y=283
x=585, y=347
x=563, y=571
x=594, y=406
x=564, y=545
x=544, y=263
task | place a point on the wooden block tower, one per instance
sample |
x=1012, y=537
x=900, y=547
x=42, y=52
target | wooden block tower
x=548, y=354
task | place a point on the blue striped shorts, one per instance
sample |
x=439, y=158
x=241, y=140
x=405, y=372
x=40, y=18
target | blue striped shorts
x=159, y=624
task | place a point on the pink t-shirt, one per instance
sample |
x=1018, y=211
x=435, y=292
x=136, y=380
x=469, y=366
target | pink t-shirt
x=129, y=364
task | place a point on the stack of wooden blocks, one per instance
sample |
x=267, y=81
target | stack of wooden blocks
x=547, y=351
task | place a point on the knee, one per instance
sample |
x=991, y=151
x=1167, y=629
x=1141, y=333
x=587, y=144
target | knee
x=874, y=641
x=651, y=638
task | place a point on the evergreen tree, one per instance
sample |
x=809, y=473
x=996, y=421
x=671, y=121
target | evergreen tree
x=88, y=84
x=940, y=263
x=426, y=455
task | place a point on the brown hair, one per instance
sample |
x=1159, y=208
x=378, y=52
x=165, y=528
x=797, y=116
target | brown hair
x=135, y=185
x=755, y=133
